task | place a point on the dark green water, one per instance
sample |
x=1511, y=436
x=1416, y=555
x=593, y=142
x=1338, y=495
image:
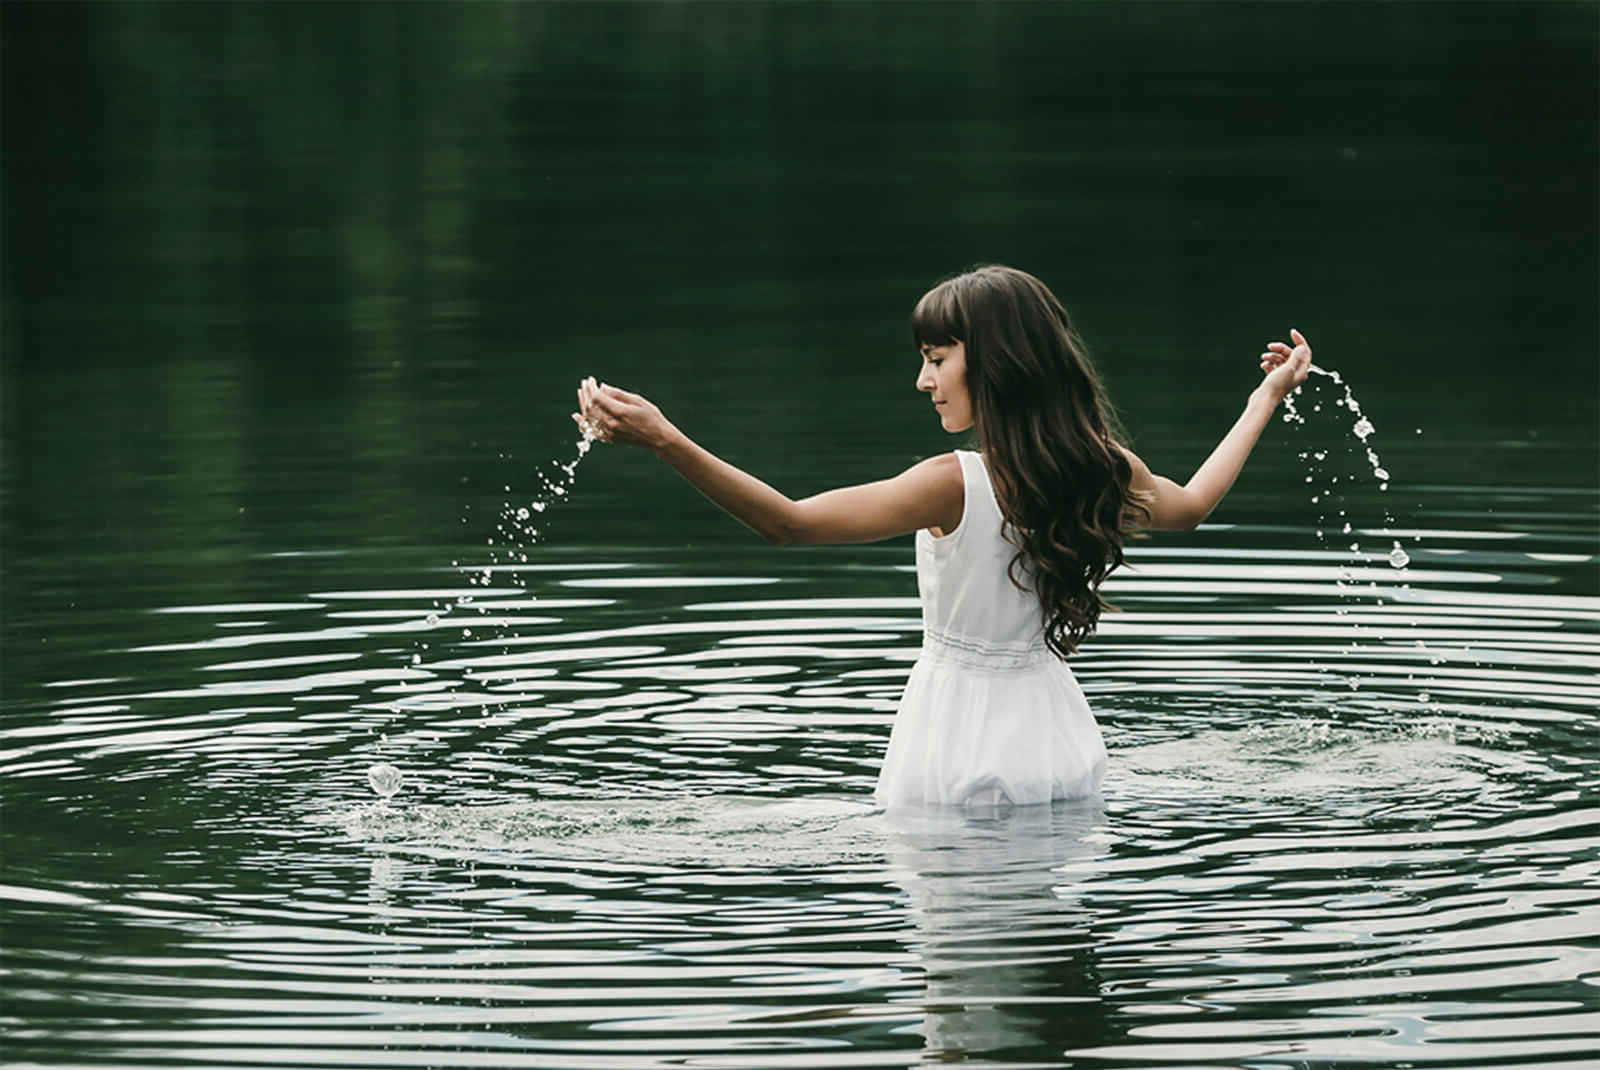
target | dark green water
x=295, y=299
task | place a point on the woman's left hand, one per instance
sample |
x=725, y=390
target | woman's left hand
x=611, y=414
x=1286, y=367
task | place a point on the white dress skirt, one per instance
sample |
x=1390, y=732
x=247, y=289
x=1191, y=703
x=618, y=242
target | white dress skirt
x=989, y=716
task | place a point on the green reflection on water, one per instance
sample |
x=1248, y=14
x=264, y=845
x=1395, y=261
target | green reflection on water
x=288, y=278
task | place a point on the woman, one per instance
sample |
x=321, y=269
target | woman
x=1013, y=541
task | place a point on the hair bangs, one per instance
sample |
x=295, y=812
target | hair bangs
x=939, y=318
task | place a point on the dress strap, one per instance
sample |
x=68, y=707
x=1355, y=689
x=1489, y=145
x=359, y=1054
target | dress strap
x=978, y=497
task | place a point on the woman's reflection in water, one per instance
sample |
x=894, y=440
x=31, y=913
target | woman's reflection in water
x=1006, y=947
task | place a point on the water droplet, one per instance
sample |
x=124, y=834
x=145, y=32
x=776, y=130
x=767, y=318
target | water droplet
x=523, y=514
x=1398, y=557
x=1346, y=527
x=1363, y=428
x=416, y=659
x=466, y=633
x=1355, y=547
x=1380, y=473
x=433, y=618
x=1424, y=696
x=385, y=779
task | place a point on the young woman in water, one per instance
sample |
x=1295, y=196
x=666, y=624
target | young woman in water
x=1013, y=540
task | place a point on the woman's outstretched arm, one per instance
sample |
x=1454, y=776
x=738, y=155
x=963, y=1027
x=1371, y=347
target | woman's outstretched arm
x=1175, y=507
x=928, y=494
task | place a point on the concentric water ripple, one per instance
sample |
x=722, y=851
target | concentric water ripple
x=1352, y=817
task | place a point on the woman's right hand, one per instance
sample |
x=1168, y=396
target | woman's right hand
x=611, y=414
x=1285, y=367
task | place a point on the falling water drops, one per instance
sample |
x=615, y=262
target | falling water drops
x=1330, y=493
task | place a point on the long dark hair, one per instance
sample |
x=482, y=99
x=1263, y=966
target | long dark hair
x=1049, y=436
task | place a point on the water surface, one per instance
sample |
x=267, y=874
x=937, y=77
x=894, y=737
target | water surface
x=295, y=299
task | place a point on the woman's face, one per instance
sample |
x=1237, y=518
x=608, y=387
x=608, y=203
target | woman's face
x=944, y=378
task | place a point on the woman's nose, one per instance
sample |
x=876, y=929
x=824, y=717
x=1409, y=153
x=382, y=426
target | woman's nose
x=925, y=379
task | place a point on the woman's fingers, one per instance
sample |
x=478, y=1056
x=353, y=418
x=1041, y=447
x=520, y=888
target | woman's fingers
x=589, y=414
x=610, y=406
x=612, y=414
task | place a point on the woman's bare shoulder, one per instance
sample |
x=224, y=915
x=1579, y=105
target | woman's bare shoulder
x=942, y=469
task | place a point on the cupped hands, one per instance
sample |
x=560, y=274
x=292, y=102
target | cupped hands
x=611, y=414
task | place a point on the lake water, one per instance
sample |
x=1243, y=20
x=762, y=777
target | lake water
x=295, y=301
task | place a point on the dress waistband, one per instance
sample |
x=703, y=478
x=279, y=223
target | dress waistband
x=974, y=653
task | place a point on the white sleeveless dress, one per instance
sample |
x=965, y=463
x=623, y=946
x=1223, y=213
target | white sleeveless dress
x=989, y=716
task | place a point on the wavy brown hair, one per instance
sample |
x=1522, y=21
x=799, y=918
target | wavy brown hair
x=1049, y=436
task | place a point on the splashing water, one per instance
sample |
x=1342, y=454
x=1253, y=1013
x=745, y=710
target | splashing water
x=384, y=779
x=513, y=536
x=516, y=532
x=1362, y=428
x=1324, y=497
x=1398, y=556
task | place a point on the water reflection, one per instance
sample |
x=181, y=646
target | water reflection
x=1005, y=946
